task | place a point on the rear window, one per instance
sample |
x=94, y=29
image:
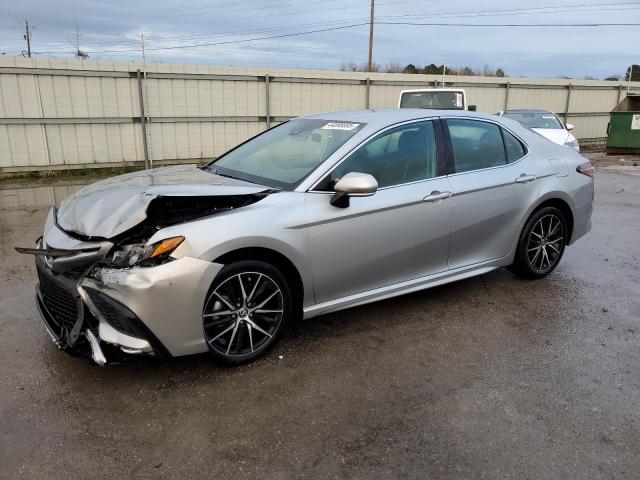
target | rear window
x=434, y=99
x=545, y=120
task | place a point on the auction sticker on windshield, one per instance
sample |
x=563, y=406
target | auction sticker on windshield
x=341, y=126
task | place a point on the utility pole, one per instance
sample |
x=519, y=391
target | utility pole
x=80, y=54
x=27, y=37
x=144, y=55
x=144, y=93
x=370, y=64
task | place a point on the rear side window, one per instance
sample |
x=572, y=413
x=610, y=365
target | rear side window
x=514, y=148
x=476, y=145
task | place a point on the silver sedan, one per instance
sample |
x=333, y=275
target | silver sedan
x=318, y=214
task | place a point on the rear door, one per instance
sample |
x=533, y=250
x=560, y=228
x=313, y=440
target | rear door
x=400, y=233
x=491, y=175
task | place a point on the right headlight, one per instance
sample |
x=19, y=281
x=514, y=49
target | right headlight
x=141, y=254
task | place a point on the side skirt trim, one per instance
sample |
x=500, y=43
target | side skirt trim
x=402, y=288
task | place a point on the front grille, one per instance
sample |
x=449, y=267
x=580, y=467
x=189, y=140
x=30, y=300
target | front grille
x=111, y=314
x=61, y=303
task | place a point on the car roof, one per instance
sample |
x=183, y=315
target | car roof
x=527, y=110
x=382, y=117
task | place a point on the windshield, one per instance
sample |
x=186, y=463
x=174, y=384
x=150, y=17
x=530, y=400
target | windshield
x=283, y=156
x=536, y=119
x=433, y=99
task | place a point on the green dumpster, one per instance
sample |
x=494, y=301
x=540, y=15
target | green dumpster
x=624, y=126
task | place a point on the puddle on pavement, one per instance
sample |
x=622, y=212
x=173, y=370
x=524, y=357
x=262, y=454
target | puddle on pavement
x=29, y=195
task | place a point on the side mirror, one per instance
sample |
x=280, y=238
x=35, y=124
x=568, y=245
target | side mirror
x=353, y=184
x=472, y=108
x=570, y=126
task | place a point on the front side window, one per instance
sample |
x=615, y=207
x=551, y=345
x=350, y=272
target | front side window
x=476, y=145
x=401, y=155
x=283, y=156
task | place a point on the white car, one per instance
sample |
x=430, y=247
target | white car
x=545, y=123
x=318, y=214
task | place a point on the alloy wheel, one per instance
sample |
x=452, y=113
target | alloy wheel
x=242, y=314
x=545, y=243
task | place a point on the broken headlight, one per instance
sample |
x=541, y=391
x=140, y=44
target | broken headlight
x=141, y=254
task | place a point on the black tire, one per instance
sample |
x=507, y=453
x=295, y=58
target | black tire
x=257, y=291
x=541, y=245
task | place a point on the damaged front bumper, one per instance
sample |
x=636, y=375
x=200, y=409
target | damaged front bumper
x=106, y=313
x=77, y=326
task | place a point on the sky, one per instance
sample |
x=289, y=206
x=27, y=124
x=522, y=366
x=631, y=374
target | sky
x=232, y=32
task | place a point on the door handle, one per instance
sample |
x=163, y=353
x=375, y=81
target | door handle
x=524, y=178
x=437, y=196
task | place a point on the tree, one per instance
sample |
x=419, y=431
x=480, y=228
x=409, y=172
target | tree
x=393, y=68
x=431, y=69
x=613, y=78
x=411, y=68
x=500, y=73
x=349, y=67
x=636, y=73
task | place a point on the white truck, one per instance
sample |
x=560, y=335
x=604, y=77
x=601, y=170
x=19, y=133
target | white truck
x=436, y=98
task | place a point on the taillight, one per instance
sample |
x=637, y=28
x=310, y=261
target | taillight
x=586, y=169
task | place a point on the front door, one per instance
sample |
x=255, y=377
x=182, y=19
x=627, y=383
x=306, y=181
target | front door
x=400, y=233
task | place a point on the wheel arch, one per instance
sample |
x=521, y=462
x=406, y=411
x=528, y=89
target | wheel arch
x=272, y=257
x=551, y=199
x=560, y=204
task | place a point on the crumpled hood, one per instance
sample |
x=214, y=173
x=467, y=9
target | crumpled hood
x=112, y=206
x=556, y=135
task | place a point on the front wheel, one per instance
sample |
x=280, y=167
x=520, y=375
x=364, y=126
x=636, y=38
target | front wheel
x=541, y=244
x=248, y=307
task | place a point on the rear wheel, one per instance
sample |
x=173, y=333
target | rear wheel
x=541, y=244
x=248, y=306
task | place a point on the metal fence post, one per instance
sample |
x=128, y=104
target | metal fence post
x=619, y=94
x=506, y=95
x=367, y=94
x=267, y=100
x=143, y=120
x=566, y=108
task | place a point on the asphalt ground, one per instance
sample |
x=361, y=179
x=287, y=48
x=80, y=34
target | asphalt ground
x=490, y=377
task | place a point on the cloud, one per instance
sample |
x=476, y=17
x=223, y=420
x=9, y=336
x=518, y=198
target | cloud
x=110, y=30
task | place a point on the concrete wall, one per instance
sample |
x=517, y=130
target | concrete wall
x=72, y=114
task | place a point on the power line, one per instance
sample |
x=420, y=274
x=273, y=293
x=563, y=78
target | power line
x=175, y=47
x=517, y=11
x=253, y=8
x=514, y=24
x=133, y=41
x=431, y=24
x=483, y=14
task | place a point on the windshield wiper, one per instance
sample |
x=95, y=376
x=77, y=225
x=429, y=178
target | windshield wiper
x=216, y=172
